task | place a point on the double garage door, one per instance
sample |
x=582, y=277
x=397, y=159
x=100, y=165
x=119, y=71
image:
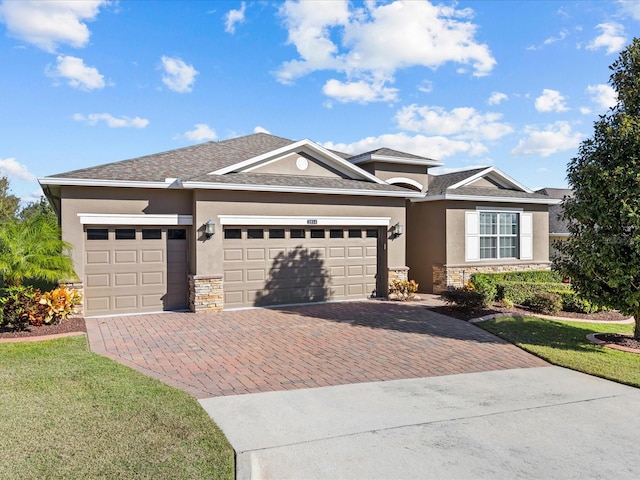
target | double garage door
x=285, y=265
x=131, y=269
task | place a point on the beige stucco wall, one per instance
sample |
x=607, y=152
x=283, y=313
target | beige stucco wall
x=114, y=200
x=211, y=203
x=456, y=231
x=426, y=240
x=385, y=171
x=287, y=166
x=436, y=237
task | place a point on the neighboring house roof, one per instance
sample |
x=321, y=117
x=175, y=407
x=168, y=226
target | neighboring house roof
x=220, y=165
x=459, y=186
x=558, y=226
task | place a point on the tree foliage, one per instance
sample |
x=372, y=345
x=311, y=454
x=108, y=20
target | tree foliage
x=8, y=203
x=602, y=254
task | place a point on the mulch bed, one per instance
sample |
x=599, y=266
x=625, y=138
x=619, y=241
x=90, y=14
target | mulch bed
x=620, y=340
x=70, y=325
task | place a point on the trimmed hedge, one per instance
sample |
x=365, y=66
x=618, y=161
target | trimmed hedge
x=465, y=300
x=523, y=292
x=487, y=283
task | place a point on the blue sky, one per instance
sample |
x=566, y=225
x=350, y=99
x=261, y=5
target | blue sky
x=516, y=85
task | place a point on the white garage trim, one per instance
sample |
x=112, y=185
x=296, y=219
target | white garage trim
x=306, y=220
x=134, y=219
x=408, y=181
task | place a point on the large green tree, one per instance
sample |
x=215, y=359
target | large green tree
x=602, y=254
x=8, y=202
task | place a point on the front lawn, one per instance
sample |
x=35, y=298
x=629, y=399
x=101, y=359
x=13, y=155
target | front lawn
x=565, y=344
x=68, y=413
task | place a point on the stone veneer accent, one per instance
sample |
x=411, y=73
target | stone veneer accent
x=206, y=293
x=398, y=273
x=79, y=287
x=445, y=276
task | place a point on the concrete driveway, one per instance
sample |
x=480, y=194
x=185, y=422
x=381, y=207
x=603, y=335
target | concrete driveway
x=380, y=390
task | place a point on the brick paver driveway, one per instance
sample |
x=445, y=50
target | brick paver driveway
x=250, y=351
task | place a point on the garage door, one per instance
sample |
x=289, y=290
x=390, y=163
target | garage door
x=135, y=269
x=280, y=265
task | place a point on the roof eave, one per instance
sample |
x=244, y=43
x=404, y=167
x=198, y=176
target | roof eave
x=480, y=198
x=427, y=162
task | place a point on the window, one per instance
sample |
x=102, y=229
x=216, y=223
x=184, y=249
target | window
x=151, y=234
x=498, y=235
x=97, y=234
x=372, y=233
x=296, y=233
x=232, y=233
x=177, y=234
x=125, y=233
x=355, y=233
x=276, y=233
x=317, y=233
x=255, y=233
x=336, y=233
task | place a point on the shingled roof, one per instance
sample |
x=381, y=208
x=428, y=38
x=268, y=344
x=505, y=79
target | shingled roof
x=557, y=225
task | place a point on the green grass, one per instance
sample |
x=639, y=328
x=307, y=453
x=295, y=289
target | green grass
x=565, y=344
x=68, y=413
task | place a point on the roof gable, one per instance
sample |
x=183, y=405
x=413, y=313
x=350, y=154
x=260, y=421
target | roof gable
x=305, y=148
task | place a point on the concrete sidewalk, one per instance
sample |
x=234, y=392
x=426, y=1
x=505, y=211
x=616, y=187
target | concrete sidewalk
x=545, y=422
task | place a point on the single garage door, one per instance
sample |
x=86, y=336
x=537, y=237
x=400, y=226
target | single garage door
x=280, y=265
x=135, y=269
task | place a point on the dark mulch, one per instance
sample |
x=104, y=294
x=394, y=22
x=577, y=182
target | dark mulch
x=620, y=340
x=67, y=326
x=518, y=310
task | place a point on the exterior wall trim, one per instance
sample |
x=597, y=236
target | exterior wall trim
x=478, y=198
x=134, y=219
x=408, y=181
x=303, y=220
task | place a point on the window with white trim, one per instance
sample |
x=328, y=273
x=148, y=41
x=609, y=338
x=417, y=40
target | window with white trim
x=499, y=235
x=496, y=234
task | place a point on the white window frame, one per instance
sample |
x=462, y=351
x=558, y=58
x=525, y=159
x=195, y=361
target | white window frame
x=472, y=234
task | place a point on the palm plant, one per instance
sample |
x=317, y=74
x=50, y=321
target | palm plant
x=32, y=248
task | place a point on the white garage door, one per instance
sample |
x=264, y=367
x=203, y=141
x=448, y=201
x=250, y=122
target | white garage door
x=135, y=269
x=283, y=265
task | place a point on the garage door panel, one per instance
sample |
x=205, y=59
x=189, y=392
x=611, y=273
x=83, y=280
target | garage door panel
x=355, y=252
x=153, y=278
x=256, y=275
x=98, y=304
x=256, y=254
x=233, y=298
x=371, y=270
x=278, y=252
x=355, y=271
x=151, y=256
x=98, y=258
x=355, y=289
x=336, y=252
x=125, y=302
x=125, y=256
x=233, y=255
x=98, y=280
x=338, y=291
x=337, y=271
x=371, y=252
x=125, y=279
x=232, y=276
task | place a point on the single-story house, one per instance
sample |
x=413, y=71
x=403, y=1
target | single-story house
x=262, y=220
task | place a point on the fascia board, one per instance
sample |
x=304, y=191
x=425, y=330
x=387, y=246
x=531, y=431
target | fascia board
x=85, y=182
x=134, y=219
x=403, y=161
x=478, y=198
x=292, y=189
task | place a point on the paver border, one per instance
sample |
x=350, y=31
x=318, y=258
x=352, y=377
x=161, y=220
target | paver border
x=550, y=317
x=592, y=338
x=41, y=338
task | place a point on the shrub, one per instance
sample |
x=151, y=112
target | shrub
x=465, y=300
x=484, y=284
x=21, y=307
x=547, y=303
x=522, y=292
x=59, y=303
x=404, y=289
x=572, y=302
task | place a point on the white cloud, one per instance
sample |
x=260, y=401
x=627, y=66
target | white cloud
x=551, y=101
x=10, y=168
x=603, y=95
x=497, y=98
x=360, y=91
x=631, y=8
x=111, y=121
x=76, y=73
x=201, y=133
x=47, y=24
x=426, y=86
x=178, y=76
x=260, y=129
x=233, y=17
x=561, y=36
x=612, y=38
x=463, y=123
x=551, y=139
x=437, y=147
x=585, y=110
x=376, y=40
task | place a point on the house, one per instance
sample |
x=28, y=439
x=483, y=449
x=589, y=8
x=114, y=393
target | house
x=262, y=220
x=558, y=226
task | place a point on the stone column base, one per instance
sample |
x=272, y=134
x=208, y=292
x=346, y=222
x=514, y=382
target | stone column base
x=206, y=293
